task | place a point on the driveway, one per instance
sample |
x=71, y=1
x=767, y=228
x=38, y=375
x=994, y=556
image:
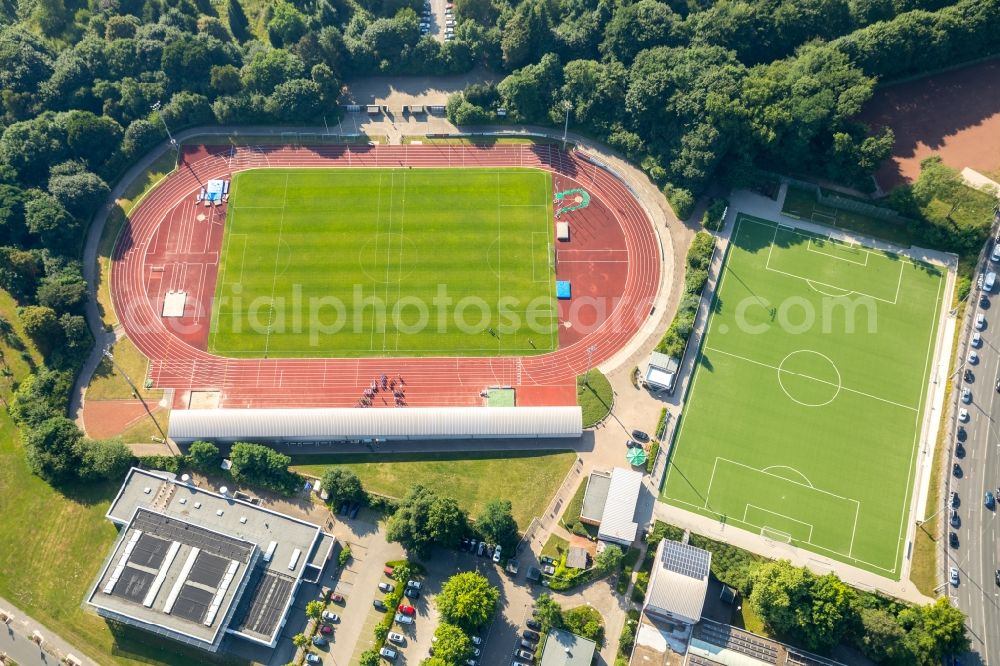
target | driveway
x=358, y=582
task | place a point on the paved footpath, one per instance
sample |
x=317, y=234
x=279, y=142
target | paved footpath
x=16, y=642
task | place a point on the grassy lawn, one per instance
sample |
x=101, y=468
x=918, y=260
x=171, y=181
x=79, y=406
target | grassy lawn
x=555, y=547
x=54, y=542
x=527, y=478
x=595, y=397
x=571, y=516
x=386, y=262
x=109, y=384
x=136, y=191
x=802, y=204
x=143, y=431
x=785, y=410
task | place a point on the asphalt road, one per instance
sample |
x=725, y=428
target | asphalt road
x=977, y=556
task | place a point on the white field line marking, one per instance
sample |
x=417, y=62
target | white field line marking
x=274, y=271
x=746, y=511
x=917, y=430
x=399, y=277
x=378, y=225
x=817, y=379
x=809, y=248
x=388, y=248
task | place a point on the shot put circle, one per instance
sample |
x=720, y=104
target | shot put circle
x=388, y=247
x=809, y=378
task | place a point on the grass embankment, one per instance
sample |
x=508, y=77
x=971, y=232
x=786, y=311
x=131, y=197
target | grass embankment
x=136, y=191
x=54, y=542
x=108, y=383
x=802, y=204
x=595, y=395
x=285, y=138
x=478, y=140
x=527, y=478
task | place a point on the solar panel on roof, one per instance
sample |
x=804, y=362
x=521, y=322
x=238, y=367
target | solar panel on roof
x=208, y=569
x=149, y=551
x=268, y=602
x=192, y=603
x=685, y=560
x=132, y=584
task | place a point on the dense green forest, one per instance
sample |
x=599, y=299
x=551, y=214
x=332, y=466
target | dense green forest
x=694, y=91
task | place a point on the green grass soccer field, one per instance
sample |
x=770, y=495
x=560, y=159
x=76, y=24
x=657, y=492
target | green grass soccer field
x=386, y=262
x=804, y=415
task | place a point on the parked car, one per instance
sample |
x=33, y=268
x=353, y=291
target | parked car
x=998, y=386
x=517, y=663
x=524, y=655
x=319, y=641
x=977, y=340
x=412, y=593
x=966, y=395
x=388, y=571
x=956, y=469
x=476, y=640
x=403, y=619
x=407, y=610
x=980, y=321
x=343, y=507
x=962, y=435
x=386, y=587
x=952, y=539
x=527, y=645
x=954, y=519
x=313, y=658
x=534, y=624
x=476, y=652
x=963, y=415
x=337, y=598
x=973, y=357
x=953, y=576
x=988, y=500
x=355, y=509
x=531, y=635
x=481, y=548
x=640, y=436
x=415, y=584
x=379, y=606
x=331, y=617
x=464, y=545
x=496, y=554
x=953, y=500
x=996, y=576
x=545, y=559
x=398, y=639
x=632, y=444
x=549, y=569
x=326, y=630
x=387, y=653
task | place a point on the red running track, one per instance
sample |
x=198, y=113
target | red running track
x=177, y=355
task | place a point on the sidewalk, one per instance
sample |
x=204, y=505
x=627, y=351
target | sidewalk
x=17, y=641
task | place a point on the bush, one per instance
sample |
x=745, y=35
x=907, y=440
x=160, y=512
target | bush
x=731, y=565
x=203, y=456
x=263, y=466
x=344, y=556
x=663, y=531
x=661, y=424
x=166, y=463
x=712, y=218
x=699, y=255
x=654, y=450
x=681, y=200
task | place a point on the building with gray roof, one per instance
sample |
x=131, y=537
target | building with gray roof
x=565, y=649
x=196, y=565
x=595, y=497
x=679, y=583
x=331, y=425
x=618, y=523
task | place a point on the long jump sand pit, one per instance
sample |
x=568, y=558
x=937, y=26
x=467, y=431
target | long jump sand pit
x=955, y=114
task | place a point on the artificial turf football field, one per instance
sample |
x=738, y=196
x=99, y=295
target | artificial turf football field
x=797, y=426
x=386, y=262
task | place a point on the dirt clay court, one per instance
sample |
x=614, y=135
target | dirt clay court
x=954, y=114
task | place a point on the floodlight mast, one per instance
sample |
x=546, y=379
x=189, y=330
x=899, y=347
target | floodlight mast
x=173, y=142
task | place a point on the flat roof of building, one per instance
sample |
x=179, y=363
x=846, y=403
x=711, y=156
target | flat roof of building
x=618, y=520
x=175, y=574
x=348, y=423
x=565, y=649
x=595, y=496
x=283, y=545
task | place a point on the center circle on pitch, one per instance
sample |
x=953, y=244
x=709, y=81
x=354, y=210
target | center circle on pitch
x=809, y=378
x=387, y=258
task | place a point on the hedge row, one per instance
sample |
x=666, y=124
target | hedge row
x=696, y=275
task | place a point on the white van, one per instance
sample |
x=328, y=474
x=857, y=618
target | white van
x=996, y=252
x=990, y=282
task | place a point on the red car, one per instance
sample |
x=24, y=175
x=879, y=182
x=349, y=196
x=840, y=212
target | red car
x=326, y=629
x=388, y=571
x=407, y=610
x=337, y=598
